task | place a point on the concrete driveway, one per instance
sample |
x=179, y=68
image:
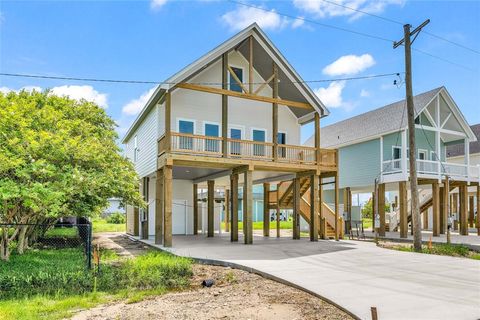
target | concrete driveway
x=355, y=275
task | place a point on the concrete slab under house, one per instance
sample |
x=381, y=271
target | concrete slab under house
x=373, y=158
x=220, y=139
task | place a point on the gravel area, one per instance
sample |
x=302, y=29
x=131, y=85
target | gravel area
x=236, y=294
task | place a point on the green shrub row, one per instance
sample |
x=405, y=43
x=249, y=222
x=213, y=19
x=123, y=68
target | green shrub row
x=116, y=218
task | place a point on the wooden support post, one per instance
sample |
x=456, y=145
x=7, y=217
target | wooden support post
x=247, y=207
x=374, y=212
x=446, y=205
x=381, y=209
x=320, y=209
x=227, y=210
x=314, y=207
x=277, y=211
x=425, y=219
x=402, y=190
x=266, y=209
x=442, y=209
x=234, y=207
x=167, y=209
x=337, y=211
x=168, y=122
x=347, y=207
x=463, y=193
x=145, y=211
x=225, y=105
x=471, y=211
x=210, y=207
x=136, y=220
x=478, y=209
x=435, y=209
x=250, y=65
x=275, y=113
x=159, y=193
x=296, y=208
x=317, y=139
x=195, y=209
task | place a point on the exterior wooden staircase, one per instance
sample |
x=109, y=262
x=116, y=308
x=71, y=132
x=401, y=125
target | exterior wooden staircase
x=284, y=197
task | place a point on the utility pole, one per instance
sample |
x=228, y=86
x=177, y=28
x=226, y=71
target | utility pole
x=417, y=232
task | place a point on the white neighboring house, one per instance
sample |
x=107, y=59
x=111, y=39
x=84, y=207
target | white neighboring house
x=231, y=117
x=114, y=206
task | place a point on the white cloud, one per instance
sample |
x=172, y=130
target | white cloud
x=242, y=17
x=349, y=65
x=331, y=96
x=135, y=106
x=324, y=9
x=364, y=93
x=297, y=23
x=157, y=4
x=5, y=90
x=82, y=92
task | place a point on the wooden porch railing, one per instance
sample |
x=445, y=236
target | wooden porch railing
x=244, y=149
x=248, y=149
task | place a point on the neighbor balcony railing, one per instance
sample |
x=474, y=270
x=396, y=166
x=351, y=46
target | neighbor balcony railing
x=245, y=149
x=434, y=168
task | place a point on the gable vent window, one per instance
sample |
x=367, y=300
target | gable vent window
x=234, y=86
x=135, y=149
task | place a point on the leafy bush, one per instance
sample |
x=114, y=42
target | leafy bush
x=116, y=218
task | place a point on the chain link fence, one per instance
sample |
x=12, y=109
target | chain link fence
x=22, y=237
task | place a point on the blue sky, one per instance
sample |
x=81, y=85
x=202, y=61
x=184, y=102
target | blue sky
x=151, y=40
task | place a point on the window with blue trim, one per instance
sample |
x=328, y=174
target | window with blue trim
x=211, y=130
x=185, y=126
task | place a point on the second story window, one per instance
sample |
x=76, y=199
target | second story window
x=233, y=83
x=185, y=126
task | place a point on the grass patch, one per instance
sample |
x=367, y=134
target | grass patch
x=50, y=272
x=101, y=225
x=442, y=249
x=367, y=223
x=62, y=232
x=51, y=284
x=48, y=307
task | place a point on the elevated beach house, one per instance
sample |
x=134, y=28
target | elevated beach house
x=373, y=157
x=225, y=123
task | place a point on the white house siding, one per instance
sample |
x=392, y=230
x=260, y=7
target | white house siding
x=201, y=107
x=147, y=135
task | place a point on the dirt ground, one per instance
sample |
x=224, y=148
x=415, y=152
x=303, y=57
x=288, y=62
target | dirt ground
x=236, y=294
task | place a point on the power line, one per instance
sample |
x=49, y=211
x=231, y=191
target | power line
x=23, y=75
x=443, y=59
x=363, y=12
x=359, y=32
x=452, y=42
x=401, y=23
x=364, y=34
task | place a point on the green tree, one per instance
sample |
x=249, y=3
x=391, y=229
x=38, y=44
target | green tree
x=58, y=157
x=367, y=210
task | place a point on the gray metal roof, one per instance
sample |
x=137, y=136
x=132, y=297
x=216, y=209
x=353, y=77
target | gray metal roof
x=459, y=149
x=392, y=117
